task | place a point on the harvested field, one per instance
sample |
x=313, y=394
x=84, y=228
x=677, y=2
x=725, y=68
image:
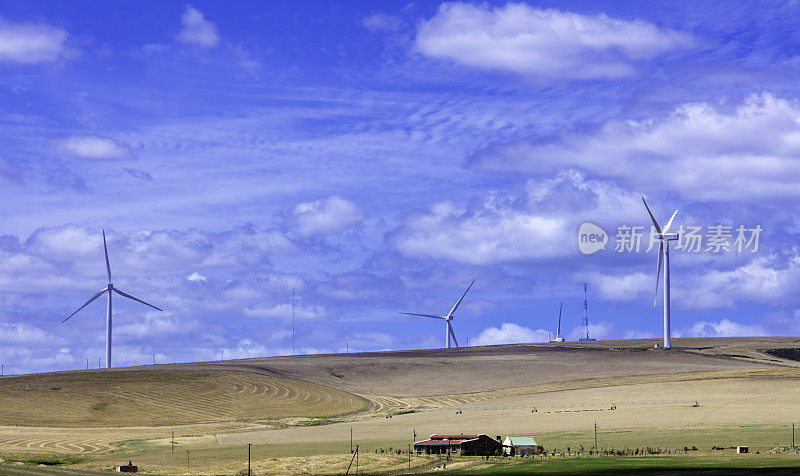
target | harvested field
x=300, y=409
x=474, y=369
x=155, y=397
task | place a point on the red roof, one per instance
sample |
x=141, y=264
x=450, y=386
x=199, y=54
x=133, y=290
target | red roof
x=445, y=440
x=440, y=442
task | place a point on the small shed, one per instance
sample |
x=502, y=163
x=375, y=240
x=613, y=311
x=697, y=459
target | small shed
x=522, y=445
x=742, y=449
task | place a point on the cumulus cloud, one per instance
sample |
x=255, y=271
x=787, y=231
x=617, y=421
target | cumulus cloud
x=284, y=311
x=597, y=330
x=700, y=151
x=381, y=22
x=539, y=224
x=92, y=147
x=724, y=328
x=762, y=278
x=509, y=333
x=543, y=42
x=31, y=43
x=156, y=325
x=196, y=278
x=23, y=334
x=196, y=30
x=328, y=215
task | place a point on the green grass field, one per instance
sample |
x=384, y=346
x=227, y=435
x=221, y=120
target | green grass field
x=702, y=464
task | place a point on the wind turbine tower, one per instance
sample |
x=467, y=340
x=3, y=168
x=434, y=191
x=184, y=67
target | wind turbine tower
x=558, y=329
x=664, y=237
x=447, y=319
x=108, y=289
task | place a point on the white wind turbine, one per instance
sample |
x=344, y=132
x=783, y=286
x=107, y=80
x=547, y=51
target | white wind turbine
x=449, y=317
x=558, y=329
x=108, y=289
x=664, y=237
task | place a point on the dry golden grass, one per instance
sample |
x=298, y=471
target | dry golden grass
x=163, y=397
x=738, y=387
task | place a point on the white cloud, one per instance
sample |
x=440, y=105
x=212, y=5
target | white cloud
x=22, y=334
x=31, y=43
x=509, y=333
x=329, y=215
x=196, y=30
x=724, y=328
x=196, y=278
x=92, y=147
x=624, y=287
x=541, y=223
x=284, y=311
x=539, y=42
x=597, y=330
x=637, y=334
x=699, y=151
x=155, y=325
x=381, y=21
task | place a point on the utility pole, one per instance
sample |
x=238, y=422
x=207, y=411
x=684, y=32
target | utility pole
x=87, y=363
x=98, y=362
x=409, y=456
x=595, y=436
x=187, y=459
x=154, y=359
x=248, y=458
x=172, y=443
x=293, y=332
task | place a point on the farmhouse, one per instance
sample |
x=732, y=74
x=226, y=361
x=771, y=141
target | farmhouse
x=465, y=445
x=521, y=445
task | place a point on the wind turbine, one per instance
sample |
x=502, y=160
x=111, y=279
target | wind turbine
x=449, y=317
x=664, y=237
x=108, y=289
x=558, y=330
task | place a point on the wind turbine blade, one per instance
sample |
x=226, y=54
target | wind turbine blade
x=453, y=335
x=669, y=223
x=658, y=228
x=105, y=248
x=460, y=299
x=558, y=330
x=658, y=270
x=423, y=315
x=135, y=299
x=86, y=304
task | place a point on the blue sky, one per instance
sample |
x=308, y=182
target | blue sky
x=377, y=158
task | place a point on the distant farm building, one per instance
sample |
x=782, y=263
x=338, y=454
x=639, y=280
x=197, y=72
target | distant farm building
x=464, y=445
x=522, y=445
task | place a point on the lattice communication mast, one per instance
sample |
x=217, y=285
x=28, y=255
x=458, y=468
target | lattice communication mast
x=585, y=321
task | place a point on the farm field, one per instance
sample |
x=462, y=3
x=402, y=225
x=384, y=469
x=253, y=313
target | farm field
x=298, y=411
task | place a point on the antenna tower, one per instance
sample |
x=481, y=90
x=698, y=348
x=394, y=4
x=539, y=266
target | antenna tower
x=292, y=321
x=585, y=321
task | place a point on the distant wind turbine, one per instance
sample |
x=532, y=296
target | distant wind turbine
x=664, y=237
x=449, y=317
x=558, y=329
x=108, y=289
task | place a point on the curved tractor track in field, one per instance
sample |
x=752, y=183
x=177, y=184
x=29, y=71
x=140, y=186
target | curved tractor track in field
x=155, y=397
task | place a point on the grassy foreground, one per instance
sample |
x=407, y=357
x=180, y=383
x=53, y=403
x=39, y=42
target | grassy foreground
x=674, y=464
